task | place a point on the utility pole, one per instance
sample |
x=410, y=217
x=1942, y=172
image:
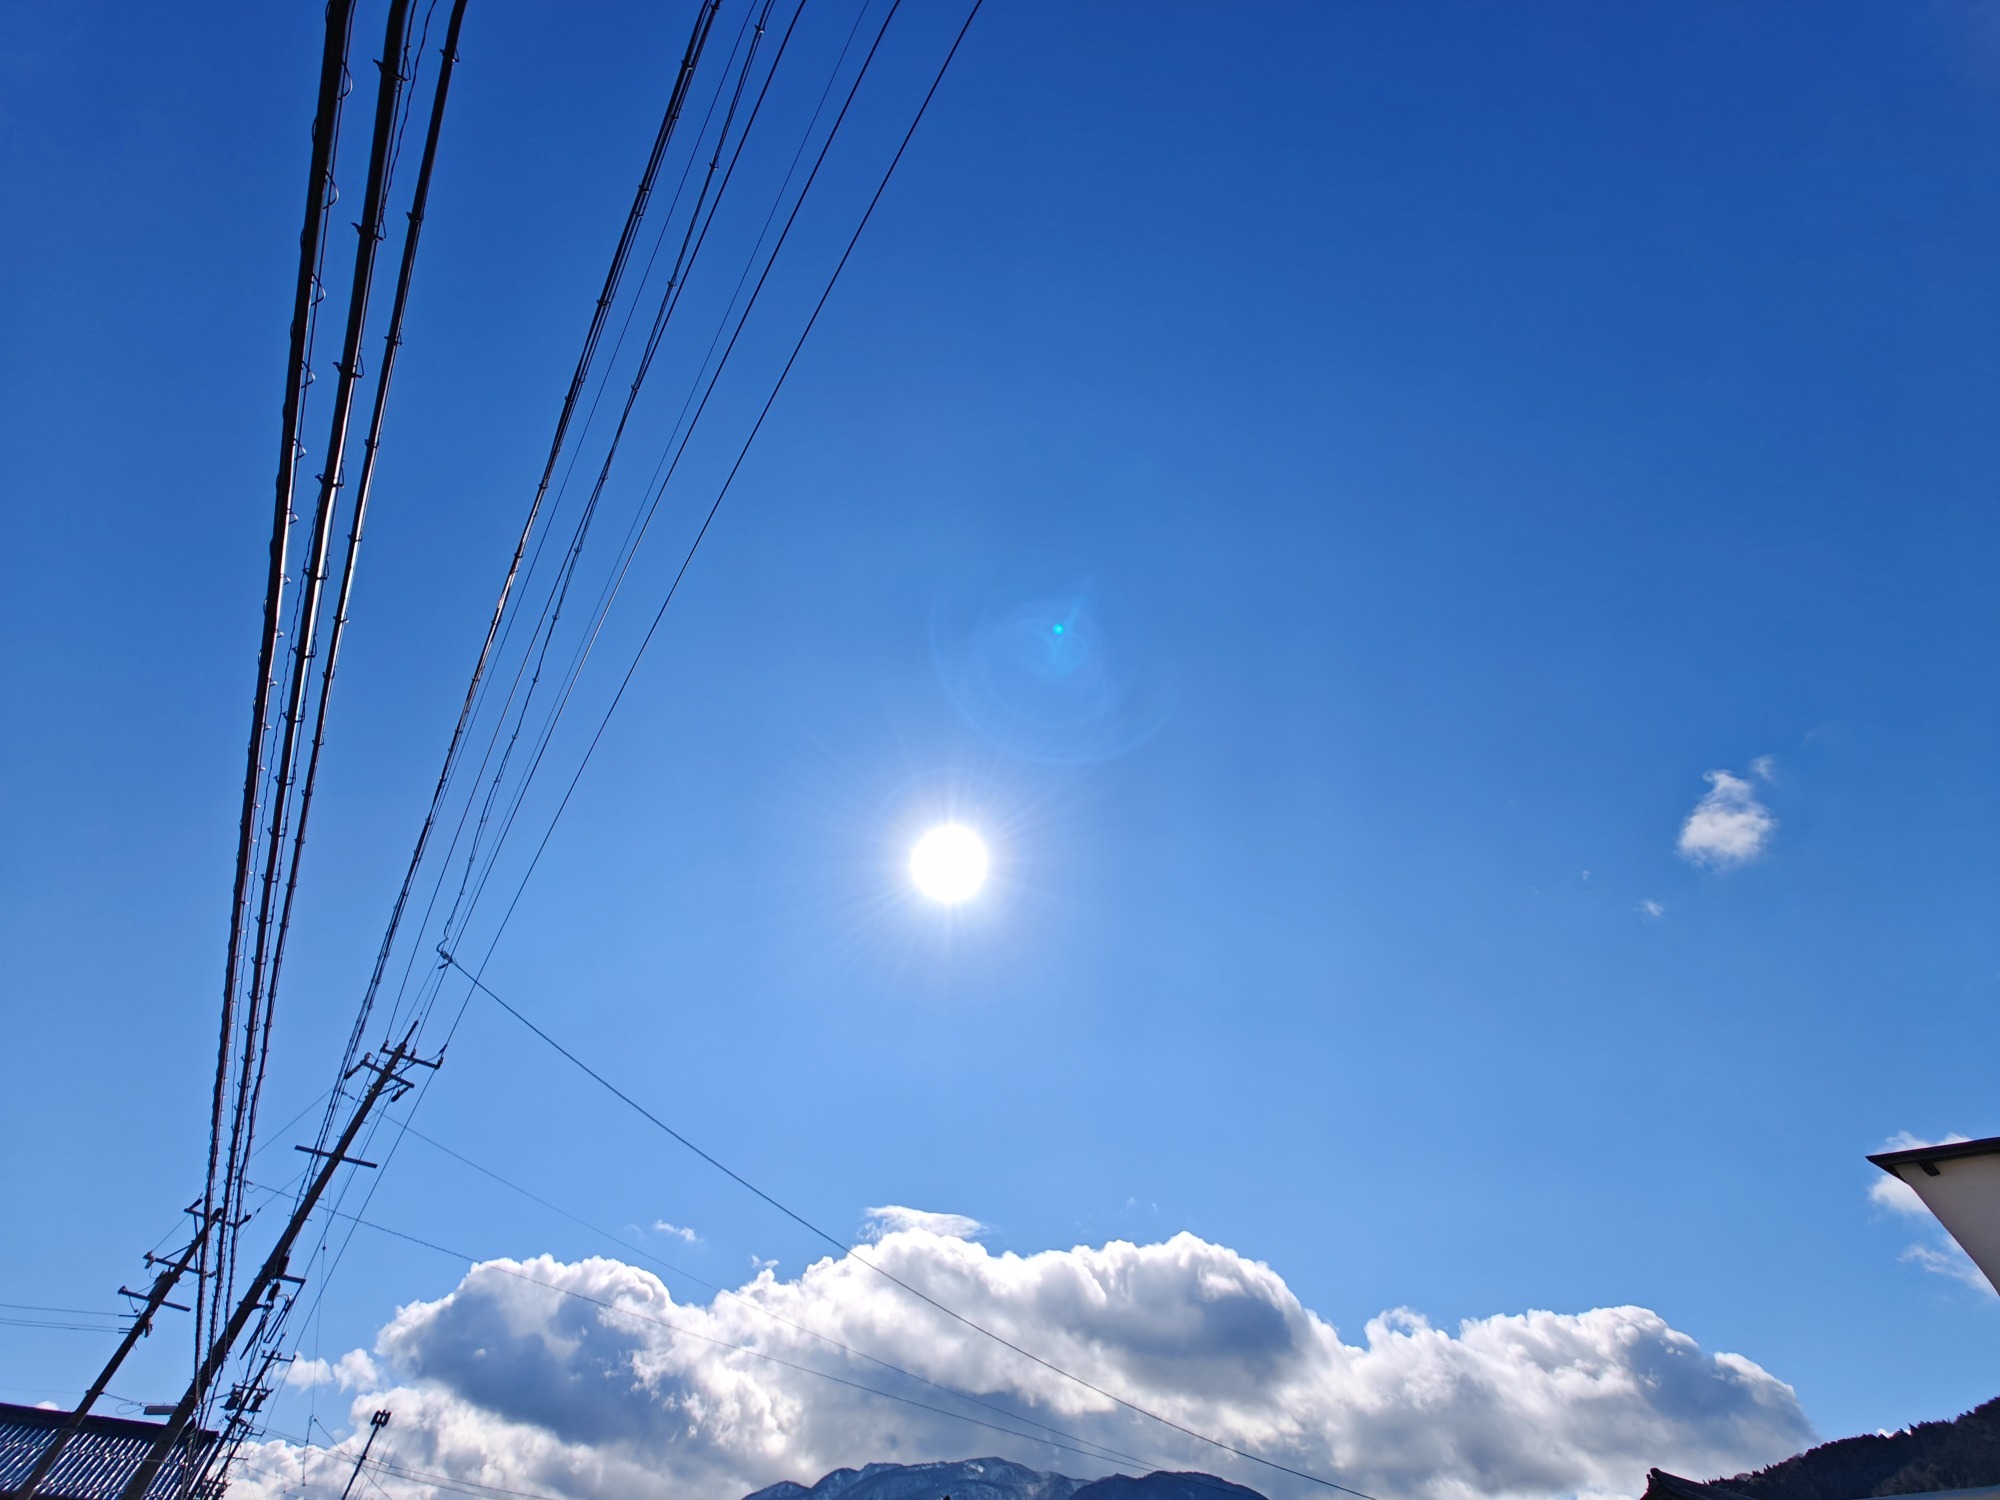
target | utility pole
x=141, y=1326
x=387, y=1074
x=375, y=1425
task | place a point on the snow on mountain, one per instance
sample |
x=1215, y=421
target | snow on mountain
x=998, y=1479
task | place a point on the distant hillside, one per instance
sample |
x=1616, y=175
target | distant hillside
x=1961, y=1454
x=997, y=1479
x=1162, y=1485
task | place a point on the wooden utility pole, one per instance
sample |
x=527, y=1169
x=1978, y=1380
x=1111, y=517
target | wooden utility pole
x=375, y=1425
x=141, y=1326
x=386, y=1071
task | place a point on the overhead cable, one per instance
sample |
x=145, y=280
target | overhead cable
x=272, y=1329
x=763, y=414
x=559, y=590
x=371, y=446
x=720, y=496
x=319, y=186
x=675, y=106
x=259, y=1003
x=559, y=594
x=742, y=453
x=704, y=22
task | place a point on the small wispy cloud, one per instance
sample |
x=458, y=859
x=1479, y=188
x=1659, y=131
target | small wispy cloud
x=1949, y=1261
x=1765, y=768
x=1729, y=826
x=678, y=1231
x=1651, y=910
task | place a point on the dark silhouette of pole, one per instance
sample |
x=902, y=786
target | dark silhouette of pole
x=141, y=1326
x=386, y=1074
x=375, y=1425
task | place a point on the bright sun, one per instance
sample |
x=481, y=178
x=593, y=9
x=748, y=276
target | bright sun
x=949, y=863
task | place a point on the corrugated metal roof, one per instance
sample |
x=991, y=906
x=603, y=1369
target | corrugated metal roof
x=98, y=1462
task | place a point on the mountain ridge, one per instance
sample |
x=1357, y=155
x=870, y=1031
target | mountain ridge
x=1958, y=1454
x=999, y=1479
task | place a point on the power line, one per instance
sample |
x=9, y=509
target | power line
x=676, y=104
x=284, y=818
x=272, y=923
x=686, y=561
x=849, y=1250
x=460, y=903
x=424, y=1008
x=628, y=549
x=743, y=453
x=319, y=184
x=372, y=443
x=393, y=113
x=59, y=1327
x=703, y=24
x=552, y=609
x=704, y=21
x=540, y=548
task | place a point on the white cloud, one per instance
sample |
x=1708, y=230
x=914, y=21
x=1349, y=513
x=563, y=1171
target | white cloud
x=507, y=1381
x=1905, y=1140
x=1652, y=910
x=1765, y=768
x=1948, y=1260
x=1895, y=1195
x=1729, y=826
x=352, y=1371
x=891, y=1218
x=678, y=1231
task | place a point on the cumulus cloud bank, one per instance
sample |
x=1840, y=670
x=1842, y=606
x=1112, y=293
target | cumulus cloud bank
x=1729, y=826
x=589, y=1380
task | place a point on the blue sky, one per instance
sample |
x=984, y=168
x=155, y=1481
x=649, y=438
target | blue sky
x=1470, y=427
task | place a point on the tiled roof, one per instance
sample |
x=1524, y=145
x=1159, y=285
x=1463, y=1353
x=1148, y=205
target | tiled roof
x=98, y=1462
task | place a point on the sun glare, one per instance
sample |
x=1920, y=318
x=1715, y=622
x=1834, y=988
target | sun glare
x=949, y=863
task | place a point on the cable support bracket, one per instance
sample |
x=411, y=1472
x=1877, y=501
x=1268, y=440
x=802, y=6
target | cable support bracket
x=125, y=1291
x=352, y=1161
